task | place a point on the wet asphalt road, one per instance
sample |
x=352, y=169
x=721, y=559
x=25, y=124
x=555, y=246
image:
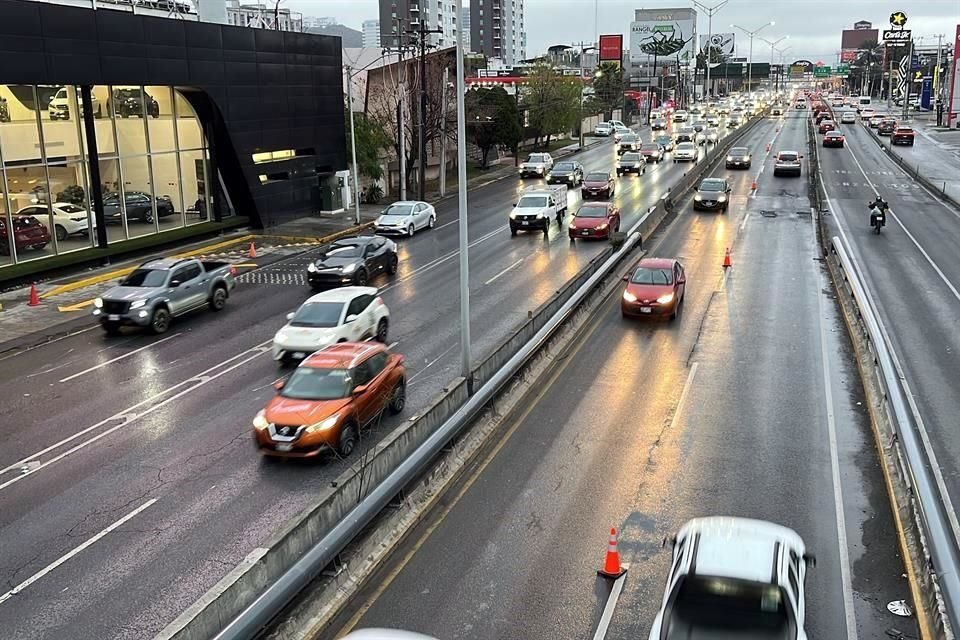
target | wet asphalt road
x=142, y=445
x=771, y=426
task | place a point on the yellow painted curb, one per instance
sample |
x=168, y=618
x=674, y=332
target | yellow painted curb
x=79, y=306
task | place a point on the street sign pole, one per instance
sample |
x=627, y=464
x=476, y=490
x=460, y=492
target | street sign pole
x=906, y=91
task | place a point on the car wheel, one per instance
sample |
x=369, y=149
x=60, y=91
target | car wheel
x=111, y=328
x=382, y=328
x=360, y=278
x=432, y=222
x=398, y=398
x=392, y=264
x=148, y=216
x=38, y=246
x=160, y=321
x=411, y=230
x=513, y=231
x=218, y=300
x=347, y=441
x=61, y=233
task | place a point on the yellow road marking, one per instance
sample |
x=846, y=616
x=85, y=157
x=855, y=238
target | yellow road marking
x=79, y=306
x=246, y=264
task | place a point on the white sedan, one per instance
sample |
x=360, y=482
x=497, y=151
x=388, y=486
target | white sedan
x=68, y=218
x=406, y=217
x=346, y=314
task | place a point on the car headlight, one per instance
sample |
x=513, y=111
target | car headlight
x=312, y=267
x=747, y=159
x=260, y=421
x=572, y=227
x=722, y=199
x=136, y=304
x=570, y=178
x=280, y=336
x=698, y=197
x=323, y=425
x=350, y=268
x=98, y=303
x=549, y=175
x=539, y=169
x=602, y=227
x=513, y=215
x=665, y=299
x=629, y=297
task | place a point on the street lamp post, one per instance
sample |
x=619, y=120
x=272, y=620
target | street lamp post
x=782, y=52
x=773, y=45
x=353, y=147
x=750, y=57
x=710, y=11
x=465, y=358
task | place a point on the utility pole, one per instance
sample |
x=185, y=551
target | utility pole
x=773, y=45
x=443, y=133
x=353, y=147
x=422, y=32
x=401, y=103
x=936, y=73
x=465, y=359
x=710, y=11
x=750, y=57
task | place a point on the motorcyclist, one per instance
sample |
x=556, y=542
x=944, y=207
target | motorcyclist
x=878, y=208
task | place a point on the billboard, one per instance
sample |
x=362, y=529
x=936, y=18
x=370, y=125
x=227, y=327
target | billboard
x=611, y=47
x=849, y=55
x=667, y=33
x=724, y=42
x=858, y=38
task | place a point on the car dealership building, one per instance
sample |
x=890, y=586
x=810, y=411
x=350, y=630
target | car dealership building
x=118, y=128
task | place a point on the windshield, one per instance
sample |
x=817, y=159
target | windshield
x=317, y=314
x=307, y=383
x=663, y=138
x=650, y=147
x=630, y=138
x=597, y=177
x=398, y=210
x=537, y=157
x=739, y=151
x=788, y=157
x=592, y=212
x=712, y=185
x=904, y=130
x=532, y=202
x=70, y=208
x=343, y=251
x=645, y=275
x=563, y=166
x=685, y=146
x=631, y=157
x=709, y=601
x=146, y=278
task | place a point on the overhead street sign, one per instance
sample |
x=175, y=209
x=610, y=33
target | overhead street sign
x=896, y=35
x=822, y=72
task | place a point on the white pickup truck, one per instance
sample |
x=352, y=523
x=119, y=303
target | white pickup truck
x=537, y=165
x=537, y=208
x=734, y=578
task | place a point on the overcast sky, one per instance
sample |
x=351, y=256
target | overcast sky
x=813, y=26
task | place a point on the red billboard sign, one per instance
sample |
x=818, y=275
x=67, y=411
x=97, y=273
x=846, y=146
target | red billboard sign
x=611, y=47
x=848, y=55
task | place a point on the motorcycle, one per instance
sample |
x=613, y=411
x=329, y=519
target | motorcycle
x=878, y=216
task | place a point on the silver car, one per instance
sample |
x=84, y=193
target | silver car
x=406, y=218
x=685, y=152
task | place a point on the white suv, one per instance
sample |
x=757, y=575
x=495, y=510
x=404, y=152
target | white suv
x=346, y=314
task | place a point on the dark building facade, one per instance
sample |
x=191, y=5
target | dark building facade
x=143, y=124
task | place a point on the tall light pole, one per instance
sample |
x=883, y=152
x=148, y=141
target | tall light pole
x=782, y=53
x=750, y=57
x=353, y=146
x=773, y=45
x=709, y=11
x=465, y=359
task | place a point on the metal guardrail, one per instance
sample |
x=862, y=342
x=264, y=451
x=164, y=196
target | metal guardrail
x=930, y=512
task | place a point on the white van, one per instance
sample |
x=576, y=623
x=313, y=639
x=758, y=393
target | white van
x=862, y=102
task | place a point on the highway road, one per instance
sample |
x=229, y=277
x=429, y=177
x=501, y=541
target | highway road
x=129, y=484
x=749, y=404
x=913, y=273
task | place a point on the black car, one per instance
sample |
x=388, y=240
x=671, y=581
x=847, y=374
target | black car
x=886, y=127
x=352, y=261
x=138, y=205
x=130, y=102
x=738, y=158
x=686, y=134
x=631, y=162
x=712, y=194
x=569, y=173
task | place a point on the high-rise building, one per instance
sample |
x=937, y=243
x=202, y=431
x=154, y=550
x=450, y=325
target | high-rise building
x=262, y=16
x=496, y=30
x=398, y=17
x=371, y=33
x=465, y=25
x=313, y=22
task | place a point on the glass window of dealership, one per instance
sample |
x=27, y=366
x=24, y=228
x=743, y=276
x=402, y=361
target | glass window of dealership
x=152, y=158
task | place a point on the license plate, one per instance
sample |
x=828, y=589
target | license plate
x=524, y=222
x=299, y=355
x=645, y=309
x=585, y=232
x=285, y=446
x=113, y=316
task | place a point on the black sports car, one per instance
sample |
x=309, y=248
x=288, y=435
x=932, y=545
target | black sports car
x=138, y=206
x=352, y=261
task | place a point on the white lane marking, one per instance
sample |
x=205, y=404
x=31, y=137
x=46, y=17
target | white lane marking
x=953, y=290
x=129, y=414
x=431, y=363
x=118, y=358
x=683, y=394
x=935, y=467
x=746, y=217
x=607, y=616
x=447, y=224
x=850, y=614
x=438, y=261
x=64, y=558
x=47, y=343
x=515, y=264
x=392, y=345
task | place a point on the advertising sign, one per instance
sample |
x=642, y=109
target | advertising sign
x=723, y=42
x=896, y=35
x=848, y=55
x=667, y=33
x=611, y=47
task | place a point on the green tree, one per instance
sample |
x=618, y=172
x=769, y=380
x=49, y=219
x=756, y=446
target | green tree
x=492, y=119
x=608, y=87
x=372, y=141
x=552, y=103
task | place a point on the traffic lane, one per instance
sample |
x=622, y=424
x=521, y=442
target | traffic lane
x=579, y=443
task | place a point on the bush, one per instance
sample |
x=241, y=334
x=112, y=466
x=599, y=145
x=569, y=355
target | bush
x=72, y=194
x=374, y=194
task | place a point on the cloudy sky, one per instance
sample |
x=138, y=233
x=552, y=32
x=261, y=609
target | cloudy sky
x=813, y=26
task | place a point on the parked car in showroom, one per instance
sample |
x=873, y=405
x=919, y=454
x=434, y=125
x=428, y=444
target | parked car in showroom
x=355, y=260
x=594, y=220
x=68, y=218
x=329, y=399
x=406, y=218
x=347, y=314
x=59, y=107
x=139, y=207
x=130, y=102
x=655, y=288
x=28, y=233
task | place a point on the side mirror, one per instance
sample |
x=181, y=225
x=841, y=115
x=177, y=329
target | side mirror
x=514, y=204
x=810, y=559
x=290, y=316
x=625, y=278
x=359, y=389
x=351, y=317
x=175, y=283
x=279, y=384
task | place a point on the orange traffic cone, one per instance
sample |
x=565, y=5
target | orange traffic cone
x=34, y=297
x=611, y=566
x=726, y=259
x=753, y=186
x=253, y=250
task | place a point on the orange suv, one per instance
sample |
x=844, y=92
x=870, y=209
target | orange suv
x=327, y=400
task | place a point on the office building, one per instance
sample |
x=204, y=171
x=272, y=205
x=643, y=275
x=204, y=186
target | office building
x=371, y=34
x=397, y=17
x=497, y=31
x=465, y=25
